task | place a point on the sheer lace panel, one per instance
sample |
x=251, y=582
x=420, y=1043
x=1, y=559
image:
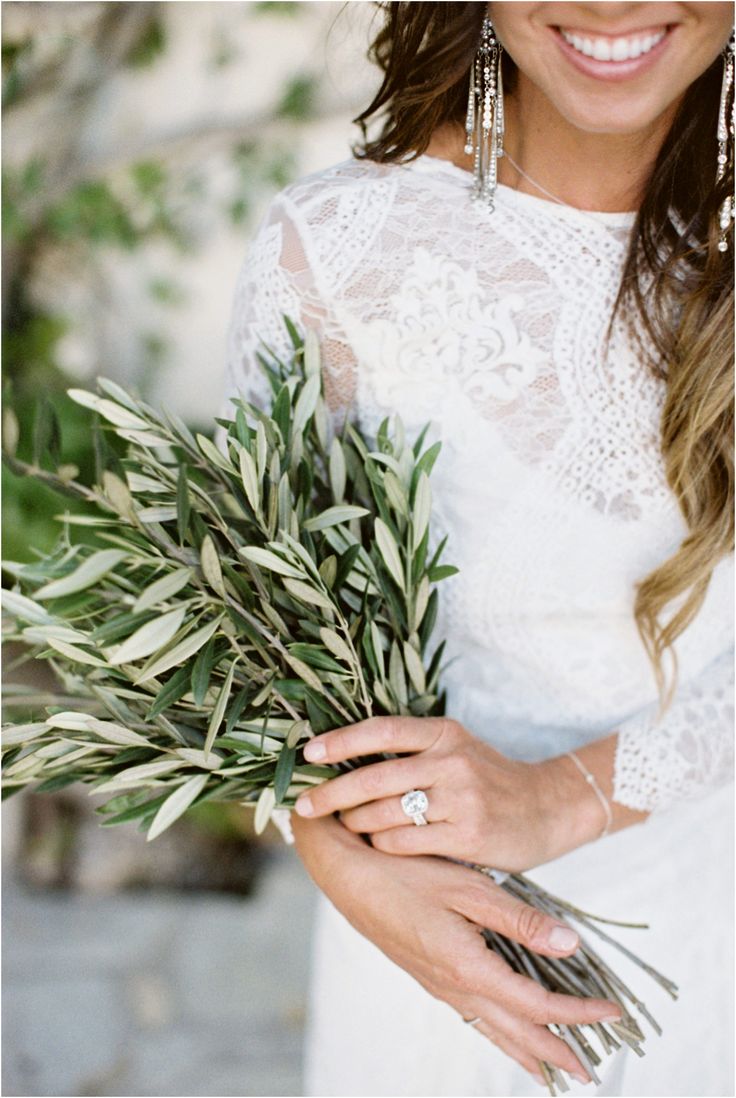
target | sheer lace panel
x=275, y=280
x=690, y=751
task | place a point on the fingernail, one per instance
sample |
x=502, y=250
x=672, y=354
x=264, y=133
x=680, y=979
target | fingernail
x=314, y=751
x=580, y=1077
x=540, y=1079
x=304, y=806
x=611, y=1018
x=562, y=937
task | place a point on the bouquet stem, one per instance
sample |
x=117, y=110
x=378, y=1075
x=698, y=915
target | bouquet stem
x=584, y=974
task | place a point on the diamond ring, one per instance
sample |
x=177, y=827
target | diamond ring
x=414, y=804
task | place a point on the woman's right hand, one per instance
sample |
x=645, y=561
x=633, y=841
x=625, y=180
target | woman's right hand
x=426, y=915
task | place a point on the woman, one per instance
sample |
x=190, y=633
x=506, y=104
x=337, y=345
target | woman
x=567, y=334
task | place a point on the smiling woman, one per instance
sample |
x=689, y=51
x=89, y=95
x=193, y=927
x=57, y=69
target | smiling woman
x=530, y=256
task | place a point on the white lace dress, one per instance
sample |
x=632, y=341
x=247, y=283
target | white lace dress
x=550, y=484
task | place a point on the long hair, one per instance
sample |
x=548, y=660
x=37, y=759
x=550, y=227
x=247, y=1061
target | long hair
x=677, y=280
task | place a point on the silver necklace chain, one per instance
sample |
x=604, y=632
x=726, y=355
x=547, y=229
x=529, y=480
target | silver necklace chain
x=586, y=213
x=539, y=186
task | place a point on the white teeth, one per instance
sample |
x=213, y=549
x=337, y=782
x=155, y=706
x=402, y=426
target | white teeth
x=601, y=50
x=613, y=49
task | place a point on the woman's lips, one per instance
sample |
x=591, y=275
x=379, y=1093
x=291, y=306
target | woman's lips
x=649, y=44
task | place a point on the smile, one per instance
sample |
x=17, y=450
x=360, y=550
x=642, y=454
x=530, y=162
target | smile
x=624, y=48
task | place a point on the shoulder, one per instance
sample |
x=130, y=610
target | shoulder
x=339, y=196
x=331, y=216
x=347, y=177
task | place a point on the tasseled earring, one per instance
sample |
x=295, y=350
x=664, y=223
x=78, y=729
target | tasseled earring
x=484, y=122
x=725, y=146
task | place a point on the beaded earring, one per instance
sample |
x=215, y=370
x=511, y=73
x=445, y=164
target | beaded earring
x=725, y=147
x=484, y=122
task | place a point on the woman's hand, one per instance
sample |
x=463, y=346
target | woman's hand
x=483, y=807
x=426, y=915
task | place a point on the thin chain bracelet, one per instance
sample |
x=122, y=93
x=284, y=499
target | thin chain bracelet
x=591, y=780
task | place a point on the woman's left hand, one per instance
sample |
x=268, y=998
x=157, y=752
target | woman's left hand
x=483, y=807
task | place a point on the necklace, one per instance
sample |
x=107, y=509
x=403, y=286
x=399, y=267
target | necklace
x=587, y=213
x=539, y=186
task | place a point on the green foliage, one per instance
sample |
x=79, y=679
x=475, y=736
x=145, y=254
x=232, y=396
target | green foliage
x=288, y=8
x=90, y=211
x=223, y=51
x=150, y=44
x=299, y=98
x=256, y=166
x=14, y=55
x=29, y=505
x=29, y=346
x=19, y=186
x=230, y=604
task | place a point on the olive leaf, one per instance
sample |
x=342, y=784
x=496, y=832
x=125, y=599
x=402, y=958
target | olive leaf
x=162, y=589
x=151, y=637
x=90, y=571
x=210, y=563
x=389, y=551
x=176, y=805
x=182, y=651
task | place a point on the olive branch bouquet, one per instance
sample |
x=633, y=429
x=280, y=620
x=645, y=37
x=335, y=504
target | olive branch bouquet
x=247, y=597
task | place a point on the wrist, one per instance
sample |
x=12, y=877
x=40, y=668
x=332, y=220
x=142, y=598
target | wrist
x=572, y=812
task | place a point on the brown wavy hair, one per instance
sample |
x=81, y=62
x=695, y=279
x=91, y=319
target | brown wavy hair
x=679, y=284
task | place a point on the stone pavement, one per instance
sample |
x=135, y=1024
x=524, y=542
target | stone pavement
x=157, y=993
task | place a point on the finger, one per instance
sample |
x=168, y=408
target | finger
x=482, y=972
x=521, y=995
x=388, y=813
x=368, y=783
x=474, y=970
x=513, y=1049
x=436, y=838
x=489, y=905
x=373, y=736
x=536, y=1040
x=512, y=1036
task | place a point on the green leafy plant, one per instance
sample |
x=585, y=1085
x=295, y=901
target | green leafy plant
x=239, y=603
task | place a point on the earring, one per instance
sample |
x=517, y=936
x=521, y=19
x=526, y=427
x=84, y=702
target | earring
x=725, y=129
x=484, y=121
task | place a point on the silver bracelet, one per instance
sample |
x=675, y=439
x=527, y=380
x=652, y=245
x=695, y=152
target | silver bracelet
x=591, y=780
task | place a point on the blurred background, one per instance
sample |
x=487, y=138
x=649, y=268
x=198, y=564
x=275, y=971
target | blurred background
x=142, y=142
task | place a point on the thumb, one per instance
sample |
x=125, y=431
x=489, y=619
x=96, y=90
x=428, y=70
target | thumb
x=492, y=908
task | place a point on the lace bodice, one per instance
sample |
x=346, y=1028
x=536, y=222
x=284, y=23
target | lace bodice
x=492, y=327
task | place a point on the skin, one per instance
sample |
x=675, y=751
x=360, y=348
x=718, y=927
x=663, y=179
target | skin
x=483, y=807
x=592, y=143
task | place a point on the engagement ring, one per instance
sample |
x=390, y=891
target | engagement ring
x=415, y=803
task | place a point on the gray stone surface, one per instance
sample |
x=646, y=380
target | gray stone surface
x=157, y=994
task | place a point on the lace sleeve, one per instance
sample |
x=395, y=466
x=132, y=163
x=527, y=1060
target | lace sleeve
x=688, y=752
x=276, y=279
